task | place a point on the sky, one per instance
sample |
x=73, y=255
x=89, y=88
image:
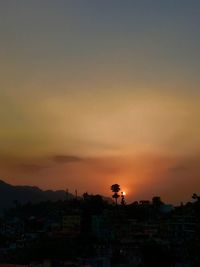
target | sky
x=96, y=92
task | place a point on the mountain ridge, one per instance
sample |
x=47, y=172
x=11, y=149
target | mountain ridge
x=9, y=194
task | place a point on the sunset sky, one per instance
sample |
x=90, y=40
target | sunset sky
x=96, y=92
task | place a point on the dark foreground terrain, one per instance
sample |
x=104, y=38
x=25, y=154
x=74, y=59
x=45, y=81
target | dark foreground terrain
x=89, y=231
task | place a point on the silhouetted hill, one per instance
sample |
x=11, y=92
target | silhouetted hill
x=9, y=194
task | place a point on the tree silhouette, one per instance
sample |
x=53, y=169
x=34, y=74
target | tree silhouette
x=157, y=202
x=196, y=197
x=123, y=202
x=115, y=188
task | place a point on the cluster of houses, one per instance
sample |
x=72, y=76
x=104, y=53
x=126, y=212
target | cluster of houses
x=136, y=235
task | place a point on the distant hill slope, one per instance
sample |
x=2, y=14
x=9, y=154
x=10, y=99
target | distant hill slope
x=23, y=194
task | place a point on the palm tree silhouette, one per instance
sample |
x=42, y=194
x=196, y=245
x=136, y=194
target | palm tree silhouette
x=115, y=188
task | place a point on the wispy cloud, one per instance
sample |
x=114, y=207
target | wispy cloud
x=186, y=164
x=66, y=159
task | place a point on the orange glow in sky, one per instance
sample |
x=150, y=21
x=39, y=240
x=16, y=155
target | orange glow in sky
x=90, y=92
